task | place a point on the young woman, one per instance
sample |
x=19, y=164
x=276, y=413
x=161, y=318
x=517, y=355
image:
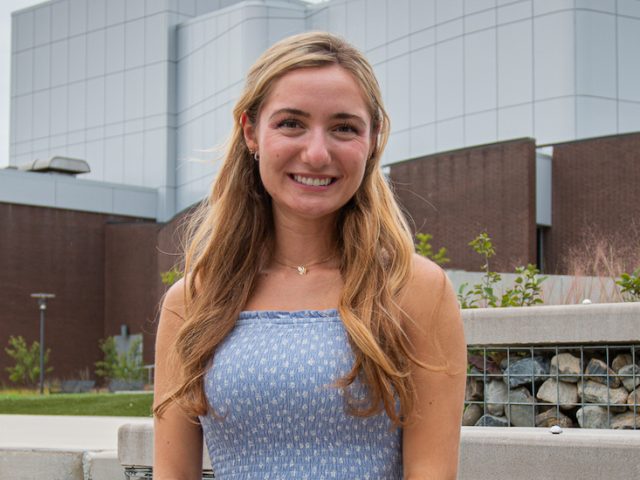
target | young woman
x=308, y=340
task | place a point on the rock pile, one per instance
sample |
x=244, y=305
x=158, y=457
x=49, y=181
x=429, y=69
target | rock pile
x=572, y=389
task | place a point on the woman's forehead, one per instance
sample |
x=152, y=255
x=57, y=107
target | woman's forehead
x=327, y=88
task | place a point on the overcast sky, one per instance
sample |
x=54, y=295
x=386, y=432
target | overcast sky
x=6, y=7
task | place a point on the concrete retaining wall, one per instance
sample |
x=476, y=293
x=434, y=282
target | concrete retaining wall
x=602, y=323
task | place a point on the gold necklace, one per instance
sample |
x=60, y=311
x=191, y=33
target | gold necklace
x=304, y=269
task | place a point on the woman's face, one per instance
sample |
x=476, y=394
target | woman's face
x=313, y=134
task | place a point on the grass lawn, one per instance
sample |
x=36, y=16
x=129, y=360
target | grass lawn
x=99, y=404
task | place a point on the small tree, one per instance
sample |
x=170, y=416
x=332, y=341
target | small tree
x=424, y=248
x=483, y=291
x=26, y=371
x=526, y=291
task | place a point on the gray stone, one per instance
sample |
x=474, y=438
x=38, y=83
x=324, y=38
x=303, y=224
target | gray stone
x=625, y=421
x=566, y=366
x=495, y=396
x=634, y=401
x=563, y=393
x=492, y=421
x=630, y=376
x=523, y=371
x=592, y=416
x=509, y=360
x=620, y=361
x=553, y=417
x=522, y=415
x=598, y=371
x=471, y=414
x=473, y=390
x=593, y=392
x=484, y=364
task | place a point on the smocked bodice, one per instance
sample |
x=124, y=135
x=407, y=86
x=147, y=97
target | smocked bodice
x=271, y=380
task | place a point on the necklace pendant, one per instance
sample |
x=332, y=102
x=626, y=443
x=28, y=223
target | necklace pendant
x=302, y=270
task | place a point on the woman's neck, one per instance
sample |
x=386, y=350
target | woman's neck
x=300, y=241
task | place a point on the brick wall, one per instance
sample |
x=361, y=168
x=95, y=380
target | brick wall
x=132, y=287
x=456, y=195
x=596, y=185
x=61, y=252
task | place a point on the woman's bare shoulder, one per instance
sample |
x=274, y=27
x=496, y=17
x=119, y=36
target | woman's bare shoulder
x=174, y=298
x=434, y=321
x=425, y=287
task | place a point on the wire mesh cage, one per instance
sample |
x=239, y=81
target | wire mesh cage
x=587, y=386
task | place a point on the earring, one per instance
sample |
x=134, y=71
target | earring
x=256, y=156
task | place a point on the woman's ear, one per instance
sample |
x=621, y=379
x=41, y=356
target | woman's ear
x=249, y=131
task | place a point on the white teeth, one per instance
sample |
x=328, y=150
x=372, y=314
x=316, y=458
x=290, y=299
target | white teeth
x=315, y=182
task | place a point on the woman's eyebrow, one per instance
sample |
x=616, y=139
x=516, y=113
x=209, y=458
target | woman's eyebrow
x=349, y=116
x=290, y=111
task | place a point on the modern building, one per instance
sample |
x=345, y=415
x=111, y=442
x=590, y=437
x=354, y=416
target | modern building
x=507, y=115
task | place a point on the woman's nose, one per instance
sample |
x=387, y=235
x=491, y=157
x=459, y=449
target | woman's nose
x=316, y=152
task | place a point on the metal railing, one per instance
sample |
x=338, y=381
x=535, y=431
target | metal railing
x=146, y=473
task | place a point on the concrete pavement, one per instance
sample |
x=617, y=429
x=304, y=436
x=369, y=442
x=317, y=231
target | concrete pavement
x=62, y=432
x=61, y=447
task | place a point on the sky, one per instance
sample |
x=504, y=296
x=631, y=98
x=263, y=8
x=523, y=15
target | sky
x=6, y=7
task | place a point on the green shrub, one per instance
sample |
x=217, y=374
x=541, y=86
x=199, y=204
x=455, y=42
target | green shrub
x=526, y=292
x=26, y=371
x=124, y=366
x=630, y=284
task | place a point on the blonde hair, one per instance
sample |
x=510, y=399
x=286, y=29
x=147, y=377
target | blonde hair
x=232, y=238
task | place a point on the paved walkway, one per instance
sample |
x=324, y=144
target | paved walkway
x=62, y=432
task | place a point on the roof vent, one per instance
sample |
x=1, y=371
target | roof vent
x=64, y=165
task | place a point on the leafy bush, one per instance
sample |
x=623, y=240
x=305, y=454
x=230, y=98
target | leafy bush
x=26, y=371
x=630, y=284
x=424, y=248
x=124, y=366
x=526, y=291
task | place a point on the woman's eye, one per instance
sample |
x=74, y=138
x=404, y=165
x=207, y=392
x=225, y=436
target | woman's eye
x=288, y=123
x=346, y=128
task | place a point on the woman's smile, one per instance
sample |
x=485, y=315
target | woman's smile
x=312, y=181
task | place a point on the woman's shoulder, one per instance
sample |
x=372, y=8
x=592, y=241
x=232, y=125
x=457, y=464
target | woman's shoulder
x=428, y=288
x=426, y=276
x=174, y=298
x=434, y=320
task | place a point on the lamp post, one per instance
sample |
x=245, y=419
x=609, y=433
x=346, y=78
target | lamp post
x=42, y=304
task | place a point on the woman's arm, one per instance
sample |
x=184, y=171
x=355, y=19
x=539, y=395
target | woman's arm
x=177, y=439
x=431, y=440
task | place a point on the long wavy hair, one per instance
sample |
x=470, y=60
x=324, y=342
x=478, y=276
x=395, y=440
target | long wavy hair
x=232, y=236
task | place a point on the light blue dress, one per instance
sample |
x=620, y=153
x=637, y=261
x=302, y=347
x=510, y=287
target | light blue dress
x=271, y=380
